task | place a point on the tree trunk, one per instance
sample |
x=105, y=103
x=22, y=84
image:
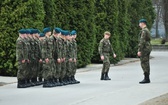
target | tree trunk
x=165, y=16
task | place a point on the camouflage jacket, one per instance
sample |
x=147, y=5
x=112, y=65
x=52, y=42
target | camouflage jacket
x=47, y=48
x=105, y=47
x=21, y=49
x=144, y=42
x=74, y=48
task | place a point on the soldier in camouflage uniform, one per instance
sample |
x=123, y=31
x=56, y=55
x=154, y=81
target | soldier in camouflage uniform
x=57, y=55
x=74, y=63
x=21, y=58
x=37, y=55
x=144, y=50
x=40, y=77
x=68, y=57
x=47, y=57
x=105, y=48
x=63, y=61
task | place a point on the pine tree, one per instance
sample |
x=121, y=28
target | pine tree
x=14, y=16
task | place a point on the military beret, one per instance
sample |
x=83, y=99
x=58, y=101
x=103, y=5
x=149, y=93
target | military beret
x=57, y=30
x=28, y=31
x=143, y=21
x=36, y=31
x=41, y=35
x=67, y=33
x=73, y=32
x=47, y=29
x=22, y=31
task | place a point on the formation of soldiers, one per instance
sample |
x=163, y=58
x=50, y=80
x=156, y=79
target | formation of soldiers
x=47, y=58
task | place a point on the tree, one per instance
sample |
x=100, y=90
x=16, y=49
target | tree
x=14, y=16
x=165, y=16
x=139, y=9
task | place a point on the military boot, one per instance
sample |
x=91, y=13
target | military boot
x=102, y=76
x=76, y=81
x=146, y=79
x=27, y=82
x=58, y=82
x=21, y=84
x=61, y=81
x=106, y=76
x=40, y=80
x=47, y=84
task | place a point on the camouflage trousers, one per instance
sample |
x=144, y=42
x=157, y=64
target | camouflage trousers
x=57, y=70
x=63, y=70
x=74, y=65
x=48, y=69
x=69, y=68
x=22, y=70
x=106, y=63
x=40, y=69
x=145, y=62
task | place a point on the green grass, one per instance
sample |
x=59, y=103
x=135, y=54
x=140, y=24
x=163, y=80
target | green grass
x=157, y=41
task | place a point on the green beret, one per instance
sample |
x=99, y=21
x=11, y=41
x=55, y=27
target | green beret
x=41, y=35
x=22, y=31
x=67, y=33
x=143, y=21
x=73, y=32
x=47, y=29
x=57, y=30
x=28, y=31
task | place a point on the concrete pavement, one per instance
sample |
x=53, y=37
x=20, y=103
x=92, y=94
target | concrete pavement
x=123, y=89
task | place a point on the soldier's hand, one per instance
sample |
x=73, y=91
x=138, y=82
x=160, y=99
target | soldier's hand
x=40, y=61
x=70, y=59
x=114, y=55
x=23, y=61
x=139, y=53
x=102, y=57
x=47, y=60
x=59, y=60
x=74, y=60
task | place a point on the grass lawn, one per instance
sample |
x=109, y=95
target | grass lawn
x=157, y=41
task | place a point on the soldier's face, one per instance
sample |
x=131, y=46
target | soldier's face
x=106, y=36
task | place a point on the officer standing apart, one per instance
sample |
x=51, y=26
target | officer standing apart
x=144, y=50
x=105, y=48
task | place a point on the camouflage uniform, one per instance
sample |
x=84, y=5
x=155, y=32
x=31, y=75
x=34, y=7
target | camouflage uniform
x=145, y=49
x=48, y=68
x=21, y=54
x=57, y=55
x=105, y=48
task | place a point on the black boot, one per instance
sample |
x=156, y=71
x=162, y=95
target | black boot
x=47, y=84
x=40, y=80
x=27, y=83
x=76, y=81
x=146, y=79
x=102, y=76
x=21, y=84
x=106, y=76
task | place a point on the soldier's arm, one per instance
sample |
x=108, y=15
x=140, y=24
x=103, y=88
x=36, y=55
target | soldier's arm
x=100, y=48
x=44, y=50
x=142, y=41
x=19, y=50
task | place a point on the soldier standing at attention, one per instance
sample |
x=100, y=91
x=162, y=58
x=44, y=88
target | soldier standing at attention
x=21, y=58
x=144, y=50
x=74, y=49
x=105, y=48
x=47, y=57
x=57, y=55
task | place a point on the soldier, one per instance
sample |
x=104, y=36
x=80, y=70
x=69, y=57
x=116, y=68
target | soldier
x=40, y=77
x=21, y=58
x=68, y=57
x=74, y=63
x=47, y=57
x=63, y=61
x=144, y=50
x=105, y=48
x=57, y=55
x=37, y=53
